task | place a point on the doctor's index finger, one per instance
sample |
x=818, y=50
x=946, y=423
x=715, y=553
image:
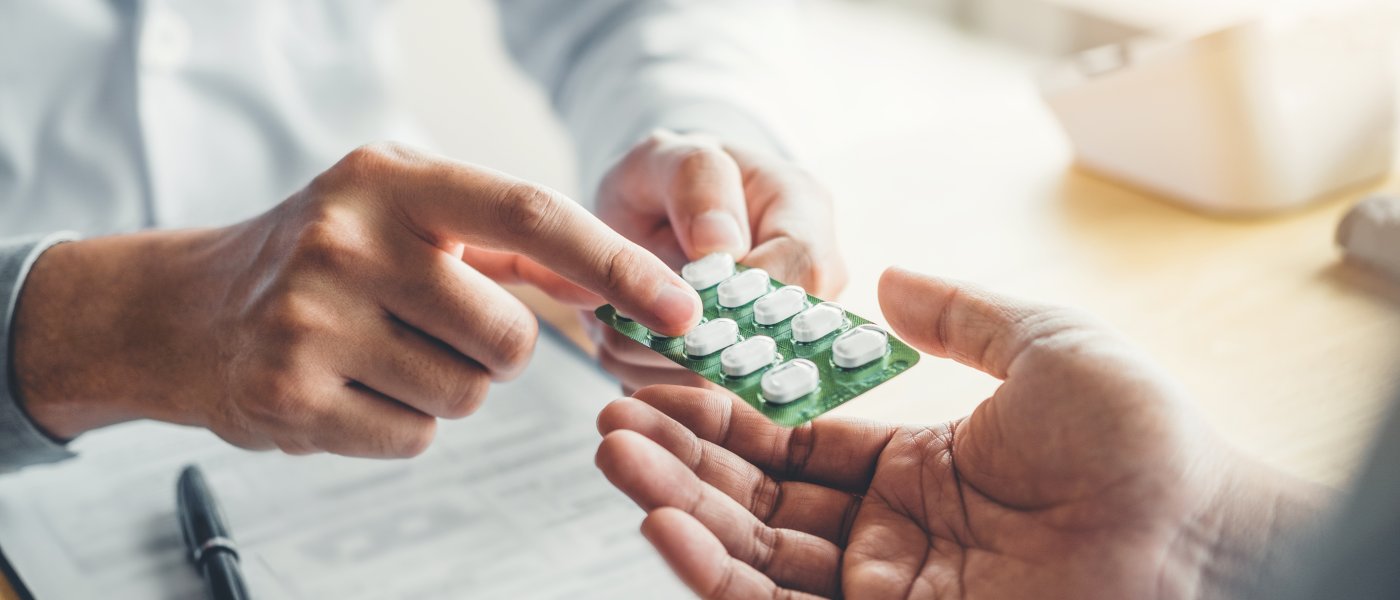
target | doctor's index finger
x=448, y=202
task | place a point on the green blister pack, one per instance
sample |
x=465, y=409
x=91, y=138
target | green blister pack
x=787, y=353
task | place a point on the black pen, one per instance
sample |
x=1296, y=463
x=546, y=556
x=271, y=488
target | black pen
x=208, y=538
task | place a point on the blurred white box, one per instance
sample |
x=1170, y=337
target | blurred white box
x=1259, y=117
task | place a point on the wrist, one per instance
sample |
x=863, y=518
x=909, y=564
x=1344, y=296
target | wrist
x=95, y=326
x=1249, y=536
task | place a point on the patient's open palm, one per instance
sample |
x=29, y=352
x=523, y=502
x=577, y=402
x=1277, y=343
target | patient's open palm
x=1085, y=475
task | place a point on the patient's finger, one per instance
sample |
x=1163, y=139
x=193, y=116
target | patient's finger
x=981, y=329
x=834, y=452
x=701, y=561
x=805, y=507
x=654, y=478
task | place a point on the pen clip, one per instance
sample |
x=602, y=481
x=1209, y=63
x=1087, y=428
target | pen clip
x=214, y=544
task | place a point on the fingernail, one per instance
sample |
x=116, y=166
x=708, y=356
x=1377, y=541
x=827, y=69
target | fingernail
x=717, y=231
x=678, y=306
x=897, y=270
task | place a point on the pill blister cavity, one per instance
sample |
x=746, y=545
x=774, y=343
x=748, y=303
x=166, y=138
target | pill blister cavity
x=743, y=288
x=790, y=381
x=818, y=322
x=711, y=337
x=748, y=356
x=780, y=305
x=709, y=271
x=860, y=346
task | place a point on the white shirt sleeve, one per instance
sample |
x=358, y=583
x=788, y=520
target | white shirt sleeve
x=617, y=69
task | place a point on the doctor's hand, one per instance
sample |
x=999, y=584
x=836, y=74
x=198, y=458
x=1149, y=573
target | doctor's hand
x=684, y=196
x=346, y=319
x=1086, y=475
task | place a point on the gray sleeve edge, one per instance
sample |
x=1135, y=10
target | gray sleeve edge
x=22, y=443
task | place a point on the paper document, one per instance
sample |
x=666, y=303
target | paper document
x=506, y=504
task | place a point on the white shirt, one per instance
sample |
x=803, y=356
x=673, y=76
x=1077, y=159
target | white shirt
x=120, y=115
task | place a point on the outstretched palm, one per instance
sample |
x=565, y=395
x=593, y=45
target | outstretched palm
x=1084, y=475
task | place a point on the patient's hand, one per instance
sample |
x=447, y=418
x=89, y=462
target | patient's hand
x=1086, y=475
x=685, y=196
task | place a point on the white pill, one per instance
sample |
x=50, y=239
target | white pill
x=818, y=322
x=859, y=346
x=780, y=305
x=790, y=381
x=748, y=356
x=707, y=272
x=743, y=288
x=711, y=337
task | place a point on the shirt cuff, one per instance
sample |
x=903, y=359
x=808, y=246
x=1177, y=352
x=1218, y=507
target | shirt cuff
x=22, y=443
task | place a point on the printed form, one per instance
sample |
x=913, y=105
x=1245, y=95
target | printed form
x=505, y=504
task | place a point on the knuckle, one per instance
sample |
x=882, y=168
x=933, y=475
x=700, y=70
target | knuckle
x=695, y=161
x=724, y=588
x=280, y=394
x=656, y=138
x=1052, y=324
x=363, y=165
x=615, y=415
x=513, y=338
x=610, y=449
x=289, y=322
x=626, y=175
x=468, y=397
x=620, y=263
x=655, y=141
x=800, y=445
x=766, y=541
x=280, y=398
x=329, y=241
x=374, y=157
x=766, y=495
x=801, y=255
x=528, y=210
x=414, y=439
x=1052, y=332
x=793, y=258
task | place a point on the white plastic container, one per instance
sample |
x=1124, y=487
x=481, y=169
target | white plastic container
x=1256, y=118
